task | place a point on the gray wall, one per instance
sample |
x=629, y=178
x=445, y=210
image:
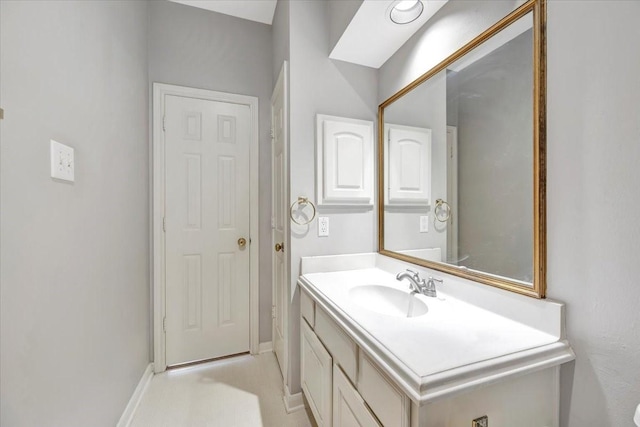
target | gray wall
x=280, y=37
x=75, y=257
x=593, y=148
x=321, y=86
x=207, y=50
x=495, y=164
x=593, y=207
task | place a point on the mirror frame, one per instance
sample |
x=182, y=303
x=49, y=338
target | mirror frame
x=538, y=290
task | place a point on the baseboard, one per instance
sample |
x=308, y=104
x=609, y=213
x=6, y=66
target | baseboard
x=292, y=402
x=136, y=397
x=265, y=347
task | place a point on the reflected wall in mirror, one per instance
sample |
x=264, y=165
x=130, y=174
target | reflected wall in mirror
x=461, y=148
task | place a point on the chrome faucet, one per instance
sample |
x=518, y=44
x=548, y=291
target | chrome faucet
x=416, y=284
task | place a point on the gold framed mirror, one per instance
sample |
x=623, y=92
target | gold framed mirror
x=462, y=160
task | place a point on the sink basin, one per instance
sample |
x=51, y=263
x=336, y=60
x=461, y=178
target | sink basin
x=387, y=300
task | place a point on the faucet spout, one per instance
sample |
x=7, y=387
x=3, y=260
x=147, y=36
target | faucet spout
x=415, y=283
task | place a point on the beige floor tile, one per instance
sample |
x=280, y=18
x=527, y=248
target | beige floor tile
x=236, y=392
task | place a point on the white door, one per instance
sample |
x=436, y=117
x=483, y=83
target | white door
x=207, y=217
x=278, y=219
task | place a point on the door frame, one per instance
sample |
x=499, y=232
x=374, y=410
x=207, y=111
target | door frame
x=160, y=91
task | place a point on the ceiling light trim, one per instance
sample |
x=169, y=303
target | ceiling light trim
x=400, y=14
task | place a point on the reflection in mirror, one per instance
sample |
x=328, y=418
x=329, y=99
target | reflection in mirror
x=459, y=161
x=490, y=104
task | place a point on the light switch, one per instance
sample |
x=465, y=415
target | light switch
x=424, y=223
x=62, y=162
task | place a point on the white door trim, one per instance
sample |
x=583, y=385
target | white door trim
x=160, y=91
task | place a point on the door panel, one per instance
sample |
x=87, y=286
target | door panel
x=207, y=211
x=315, y=375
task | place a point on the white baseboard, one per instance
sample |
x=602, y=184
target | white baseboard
x=265, y=347
x=136, y=397
x=292, y=402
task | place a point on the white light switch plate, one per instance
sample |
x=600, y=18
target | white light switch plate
x=62, y=162
x=323, y=226
x=424, y=223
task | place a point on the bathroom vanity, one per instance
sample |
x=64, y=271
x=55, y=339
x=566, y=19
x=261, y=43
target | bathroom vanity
x=373, y=353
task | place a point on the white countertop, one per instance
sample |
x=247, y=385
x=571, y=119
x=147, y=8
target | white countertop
x=454, y=345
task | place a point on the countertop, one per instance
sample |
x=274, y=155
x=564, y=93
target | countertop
x=454, y=346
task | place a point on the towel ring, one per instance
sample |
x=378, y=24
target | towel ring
x=302, y=202
x=441, y=204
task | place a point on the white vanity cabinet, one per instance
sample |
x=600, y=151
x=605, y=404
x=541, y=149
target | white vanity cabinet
x=454, y=364
x=356, y=392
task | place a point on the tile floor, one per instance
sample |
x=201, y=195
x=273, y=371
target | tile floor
x=236, y=392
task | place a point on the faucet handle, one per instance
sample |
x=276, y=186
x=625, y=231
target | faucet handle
x=433, y=279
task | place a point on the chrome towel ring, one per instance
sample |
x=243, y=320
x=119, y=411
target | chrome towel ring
x=302, y=202
x=442, y=211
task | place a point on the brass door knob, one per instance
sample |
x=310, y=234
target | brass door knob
x=242, y=242
x=279, y=247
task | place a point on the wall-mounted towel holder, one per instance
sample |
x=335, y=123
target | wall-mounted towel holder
x=302, y=202
x=442, y=211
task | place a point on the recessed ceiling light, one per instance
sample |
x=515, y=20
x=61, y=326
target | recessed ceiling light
x=405, y=11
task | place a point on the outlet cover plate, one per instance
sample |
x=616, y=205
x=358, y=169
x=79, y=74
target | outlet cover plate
x=62, y=162
x=323, y=226
x=424, y=223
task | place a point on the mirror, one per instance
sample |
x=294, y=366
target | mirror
x=461, y=154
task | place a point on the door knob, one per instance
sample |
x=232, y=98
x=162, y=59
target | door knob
x=242, y=242
x=279, y=247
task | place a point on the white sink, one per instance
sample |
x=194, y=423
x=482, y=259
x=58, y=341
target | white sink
x=388, y=301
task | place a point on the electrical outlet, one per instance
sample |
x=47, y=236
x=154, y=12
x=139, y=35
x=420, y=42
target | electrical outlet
x=483, y=421
x=62, y=162
x=424, y=223
x=323, y=226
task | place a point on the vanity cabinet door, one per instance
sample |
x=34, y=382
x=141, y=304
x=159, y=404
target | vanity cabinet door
x=349, y=410
x=342, y=348
x=390, y=405
x=316, y=375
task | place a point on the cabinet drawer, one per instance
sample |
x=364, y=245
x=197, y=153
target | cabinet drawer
x=307, y=308
x=316, y=376
x=341, y=347
x=388, y=403
x=348, y=407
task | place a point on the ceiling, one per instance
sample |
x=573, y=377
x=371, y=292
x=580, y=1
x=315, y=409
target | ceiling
x=253, y=10
x=371, y=26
